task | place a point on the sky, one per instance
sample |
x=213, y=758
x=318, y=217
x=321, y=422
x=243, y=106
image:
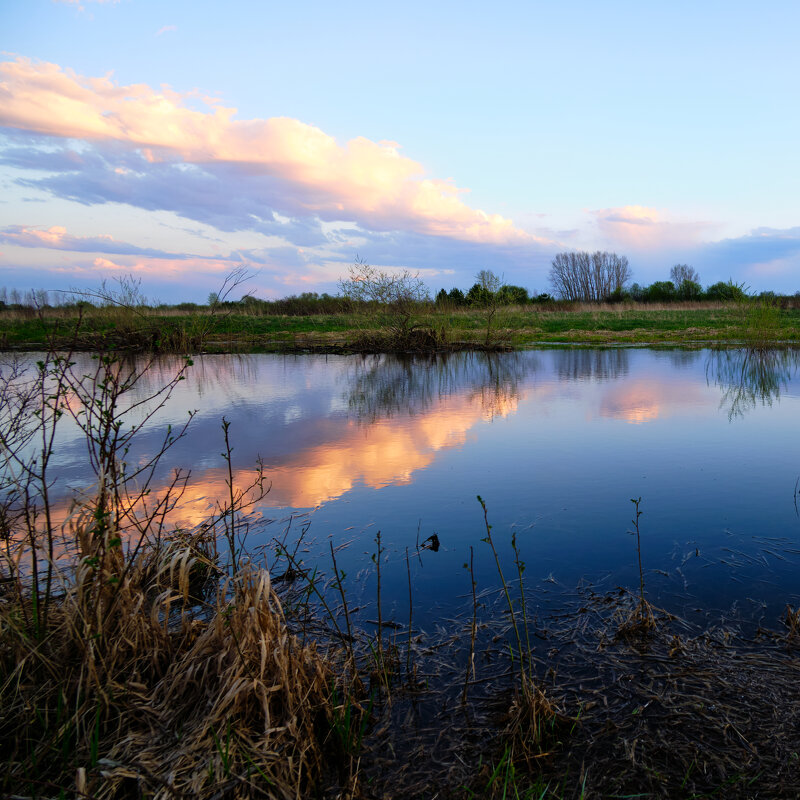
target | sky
x=177, y=141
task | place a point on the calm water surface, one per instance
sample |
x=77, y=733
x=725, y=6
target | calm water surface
x=556, y=442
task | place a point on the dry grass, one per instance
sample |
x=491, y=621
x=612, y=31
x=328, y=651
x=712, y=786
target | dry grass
x=130, y=691
x=535, y=722
x=792, y=620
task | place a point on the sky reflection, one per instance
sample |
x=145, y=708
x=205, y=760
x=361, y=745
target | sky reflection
x=555, y=441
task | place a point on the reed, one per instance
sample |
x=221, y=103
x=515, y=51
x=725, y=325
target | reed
x=534, y=721
x=473, y=629
x=642, y=620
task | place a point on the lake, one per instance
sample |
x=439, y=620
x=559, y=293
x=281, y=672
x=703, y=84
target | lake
x=557, y=442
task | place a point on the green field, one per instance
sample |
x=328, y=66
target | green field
x=171, y=331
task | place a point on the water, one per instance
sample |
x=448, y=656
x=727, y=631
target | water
x=557, y=442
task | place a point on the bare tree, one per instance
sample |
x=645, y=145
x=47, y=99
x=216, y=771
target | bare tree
x=398, y=292
x=588, y=276
x=490, y=284
x=683, y=272
x=489, y=280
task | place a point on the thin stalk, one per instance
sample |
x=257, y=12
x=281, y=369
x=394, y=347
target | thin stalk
x=473, y=628
x=520, y=570
x=410, y=616
x=230, y=531
x=339, y=577
x=635, y=522
x=312, y=587
x=490, y=541
x=380, y=612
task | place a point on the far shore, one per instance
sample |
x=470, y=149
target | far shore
x=429, y=329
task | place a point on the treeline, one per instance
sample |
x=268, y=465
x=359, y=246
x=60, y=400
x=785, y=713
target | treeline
x=575, y=277
x=307, y=303
x=479, y=296
x=605, y=277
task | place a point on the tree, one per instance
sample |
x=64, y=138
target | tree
x=486, y=292
x=660, y=292
x=588, y=276
x=689, y=290
x=513, y=295
x=478, y=295
x=489, y=281
x=683, y=272
x=398, y=292
x=456, y=297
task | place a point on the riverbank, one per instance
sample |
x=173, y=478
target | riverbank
x=690, y=324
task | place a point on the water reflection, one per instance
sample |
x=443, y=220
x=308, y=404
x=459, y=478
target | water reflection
x=329, y=427
x=389, y=385
x=751, y=376
x=681, y=359
x=384, y=442
x=583, y=364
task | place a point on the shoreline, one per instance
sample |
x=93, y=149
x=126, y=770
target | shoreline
x=429, y=331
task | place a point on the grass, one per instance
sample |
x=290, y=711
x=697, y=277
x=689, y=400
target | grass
x=132, y=691
x=689, y=323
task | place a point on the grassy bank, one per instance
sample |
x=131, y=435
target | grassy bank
x=429, y=328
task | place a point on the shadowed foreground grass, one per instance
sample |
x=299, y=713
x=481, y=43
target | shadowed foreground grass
x=125, y=693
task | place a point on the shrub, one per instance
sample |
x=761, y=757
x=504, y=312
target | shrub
x=660, y=292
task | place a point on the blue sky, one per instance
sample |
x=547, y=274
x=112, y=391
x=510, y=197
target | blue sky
x=174, y=141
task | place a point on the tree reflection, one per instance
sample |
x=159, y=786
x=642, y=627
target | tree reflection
x=583, y=364
x=383, y=386
x=680, y=358
x=750, y=376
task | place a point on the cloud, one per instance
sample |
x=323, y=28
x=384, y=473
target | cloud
x=166, y=29
x=57, y=238
x=161, y=269
x=770, y=257
x=368, y=182
x=643, y=228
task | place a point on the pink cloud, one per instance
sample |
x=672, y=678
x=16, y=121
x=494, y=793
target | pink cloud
x=160, y=268
x=57, y=238
x=361, y=179
x=106, y=263
x=35, y=237
x=644, y=228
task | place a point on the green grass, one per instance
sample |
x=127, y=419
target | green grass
x=518, y=326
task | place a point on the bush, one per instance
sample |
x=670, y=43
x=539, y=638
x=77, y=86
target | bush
x=513, y=295
x=478, y=295
x=660, y=292
x=619, y=295
x=456, y=297
x=726, y=291
x=689, y=290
